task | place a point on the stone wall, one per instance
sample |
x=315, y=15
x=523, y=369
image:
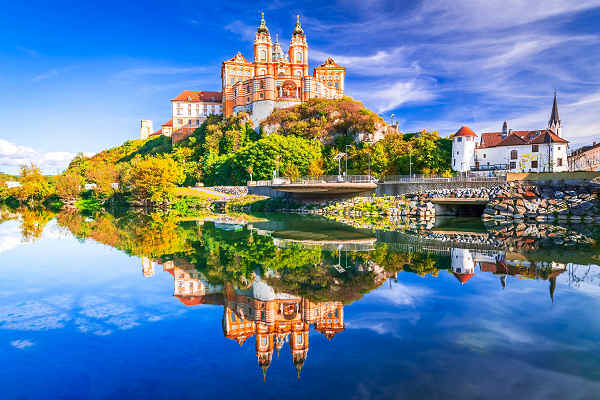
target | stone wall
x=396, y=189
x=544, y=202
x=266, y=191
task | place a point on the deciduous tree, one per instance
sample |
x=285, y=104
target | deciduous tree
x=34, y=187
x=152, y=179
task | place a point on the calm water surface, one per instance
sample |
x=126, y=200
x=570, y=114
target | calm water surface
x=150, y=307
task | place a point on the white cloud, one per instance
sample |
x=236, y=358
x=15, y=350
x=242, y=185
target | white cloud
x=12, y=156
x=390, y=96
x=402, y=294
x=52, y=73
x=496, y=14
x=21, y=344
x=10, y=236
x=247, y=32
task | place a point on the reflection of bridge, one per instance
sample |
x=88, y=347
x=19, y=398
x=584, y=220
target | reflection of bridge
x=415, y=243
x=329, y=245
x=364, y=244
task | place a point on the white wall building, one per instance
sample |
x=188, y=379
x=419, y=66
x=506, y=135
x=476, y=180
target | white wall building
x=191, y=108
x=515, y=151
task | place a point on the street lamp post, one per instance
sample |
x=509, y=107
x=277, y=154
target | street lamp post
x=346, y=177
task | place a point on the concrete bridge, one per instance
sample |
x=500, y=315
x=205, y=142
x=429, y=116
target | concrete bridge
x=344, y=186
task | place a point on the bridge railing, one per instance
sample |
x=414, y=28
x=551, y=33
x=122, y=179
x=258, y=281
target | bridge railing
x=440, y=179
x=309, y=180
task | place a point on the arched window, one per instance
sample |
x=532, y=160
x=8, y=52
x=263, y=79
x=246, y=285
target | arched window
x=298, y=57
x=262, y=55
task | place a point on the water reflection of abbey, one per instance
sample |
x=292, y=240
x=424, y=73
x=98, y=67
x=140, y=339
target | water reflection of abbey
x=273, y=318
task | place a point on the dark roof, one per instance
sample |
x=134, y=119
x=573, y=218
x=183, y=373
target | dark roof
x=554, y=116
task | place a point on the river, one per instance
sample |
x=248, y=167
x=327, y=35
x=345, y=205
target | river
x=274, y=306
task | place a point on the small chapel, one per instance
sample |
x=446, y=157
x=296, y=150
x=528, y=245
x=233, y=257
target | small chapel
x=542, y=150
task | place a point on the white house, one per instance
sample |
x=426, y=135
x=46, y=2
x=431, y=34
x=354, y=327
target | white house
x=541, y=150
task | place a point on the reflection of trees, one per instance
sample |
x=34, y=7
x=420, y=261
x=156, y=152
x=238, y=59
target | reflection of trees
x=33, y=222
x=155, y=235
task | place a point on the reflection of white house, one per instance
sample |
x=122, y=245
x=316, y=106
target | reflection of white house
x=462, y=264
x=12, y=184
x=147, y=267
x=542, y=150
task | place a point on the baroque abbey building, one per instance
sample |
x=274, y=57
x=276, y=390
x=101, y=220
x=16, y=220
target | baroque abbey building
x=273, y=79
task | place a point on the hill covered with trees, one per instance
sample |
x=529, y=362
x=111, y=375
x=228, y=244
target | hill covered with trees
x=296, y=141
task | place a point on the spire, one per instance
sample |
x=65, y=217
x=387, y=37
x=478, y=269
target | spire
x=299, y=367
x=554, y=120
x=263, y=25
x=298, y=29
x=264, y=372
x=552, y=288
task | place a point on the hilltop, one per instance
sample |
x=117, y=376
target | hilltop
x=325, y=120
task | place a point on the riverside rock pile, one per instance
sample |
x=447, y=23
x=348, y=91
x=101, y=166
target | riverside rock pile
x=519, y=202
x=232, y=190
x=412, y=206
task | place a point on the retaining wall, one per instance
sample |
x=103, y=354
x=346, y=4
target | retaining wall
x=395, y=189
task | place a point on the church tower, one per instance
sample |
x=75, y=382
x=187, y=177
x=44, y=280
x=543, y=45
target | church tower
x=299, y=346
x=298, y=51
x=554, y=124
x=264, y=351
x=263, y=47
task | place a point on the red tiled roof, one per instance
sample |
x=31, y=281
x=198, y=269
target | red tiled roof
x=190, y=300
x=463, y=278
x=158, y=132
x=514, y=138
x=465, y=131
x=170, y=123
x=548, y=137
x=198, y=95
x=487, y=266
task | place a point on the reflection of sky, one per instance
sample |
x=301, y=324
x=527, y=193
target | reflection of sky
x=79, y=320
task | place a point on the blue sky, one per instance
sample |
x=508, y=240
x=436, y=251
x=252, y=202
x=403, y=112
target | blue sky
x=78, y=76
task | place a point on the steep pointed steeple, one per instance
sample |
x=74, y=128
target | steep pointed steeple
x=552, y=288
x=554, y=124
